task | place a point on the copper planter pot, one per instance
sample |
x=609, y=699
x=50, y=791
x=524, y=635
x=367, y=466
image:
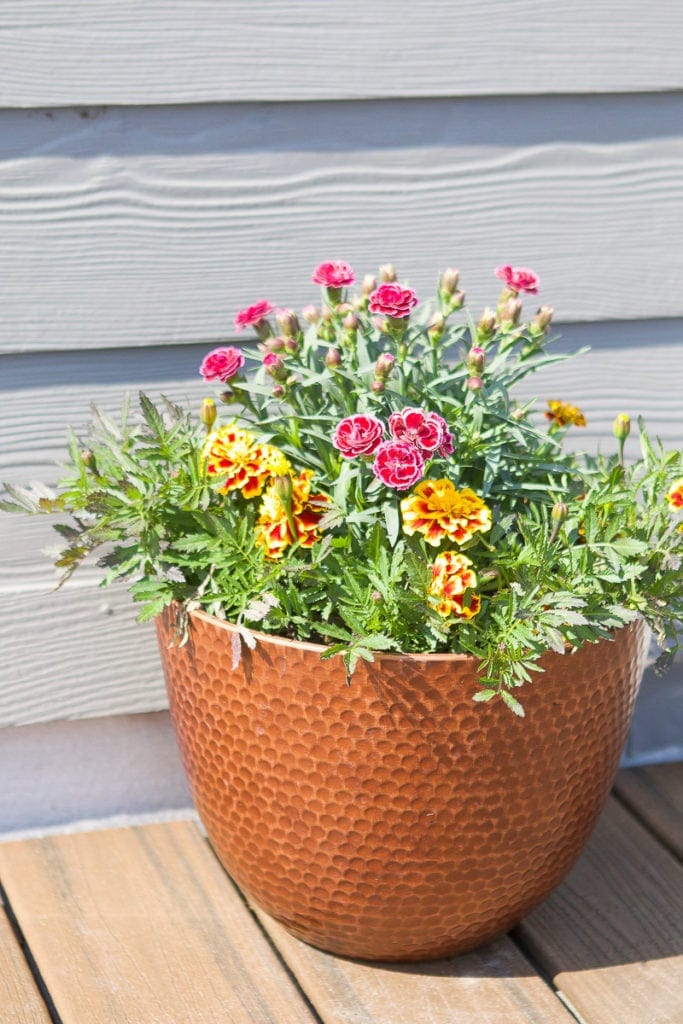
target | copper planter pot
x=395, y=819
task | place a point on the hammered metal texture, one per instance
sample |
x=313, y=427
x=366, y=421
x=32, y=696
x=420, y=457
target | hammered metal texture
x=393, y=818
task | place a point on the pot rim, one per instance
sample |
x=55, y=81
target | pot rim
x=443, y=656
x=306, y=645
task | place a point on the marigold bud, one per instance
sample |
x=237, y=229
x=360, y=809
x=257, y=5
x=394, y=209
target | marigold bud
x=283, y=489
x=449, y=281
x=87, y=457
x=369, y=284
x=208, y=413
x=621, y=427
x=333, y=358
x=476, y=360
x=311, y=314
x=387, y=273
x=559, y=512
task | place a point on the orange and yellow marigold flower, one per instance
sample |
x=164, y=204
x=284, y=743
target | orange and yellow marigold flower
x=562, y=414
x=289, y=513
x=452, y=586
x=440, y=511
x=239, y=462
x=675, y=494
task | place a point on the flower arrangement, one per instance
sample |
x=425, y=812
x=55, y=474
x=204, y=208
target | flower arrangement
x=374, y=485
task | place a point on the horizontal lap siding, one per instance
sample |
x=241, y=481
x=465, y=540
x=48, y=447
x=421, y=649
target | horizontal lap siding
x=162, y=51
x=131, y=233
x=151, y=227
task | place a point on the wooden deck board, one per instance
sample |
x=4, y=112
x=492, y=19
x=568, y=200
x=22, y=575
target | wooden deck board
x=611, y=936
x=494, y=985
x=655, y=795
x=141, y=926
x=20, y=1002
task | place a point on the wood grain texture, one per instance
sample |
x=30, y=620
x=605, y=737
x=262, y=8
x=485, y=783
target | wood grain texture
x=136, y=229
x=495, y=984
x=168, y=52
x=143, y=925
x=611, y=937
x=20, y=1002
x=76, y=655
x=655, y=794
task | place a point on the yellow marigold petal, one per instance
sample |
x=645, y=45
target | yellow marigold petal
x=439, y=511
x=675, y=494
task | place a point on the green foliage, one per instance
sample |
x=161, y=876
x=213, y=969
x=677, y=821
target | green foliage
x=578, y=545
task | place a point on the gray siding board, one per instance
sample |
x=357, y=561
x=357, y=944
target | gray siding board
x=98, y=52
x=141, y=227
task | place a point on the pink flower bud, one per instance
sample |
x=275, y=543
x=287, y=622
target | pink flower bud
x=369, y=284
x=287, y=322
x=377, y=386
x=333, y=358
x=387, y=273
x=510, y=312
x=311, y=314
x=384, y=365
x=436, y=326
x=278, y=391
x=275, y=366
x=487, y=325
x=476, y=360
x=273, y=345
x=475, y=383
x=540, y=323
x=449, y=281
x=350, y=321
x=291, y=345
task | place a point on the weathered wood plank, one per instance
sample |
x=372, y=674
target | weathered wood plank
x=20, y=1002
x=169, y=52
x=143, y=925
x=655, y=794
x=76, y=655
x=495, y=984
x=138, y=229
x=611, y=936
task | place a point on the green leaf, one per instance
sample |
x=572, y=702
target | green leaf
x=513, y=704
x=391, y=521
